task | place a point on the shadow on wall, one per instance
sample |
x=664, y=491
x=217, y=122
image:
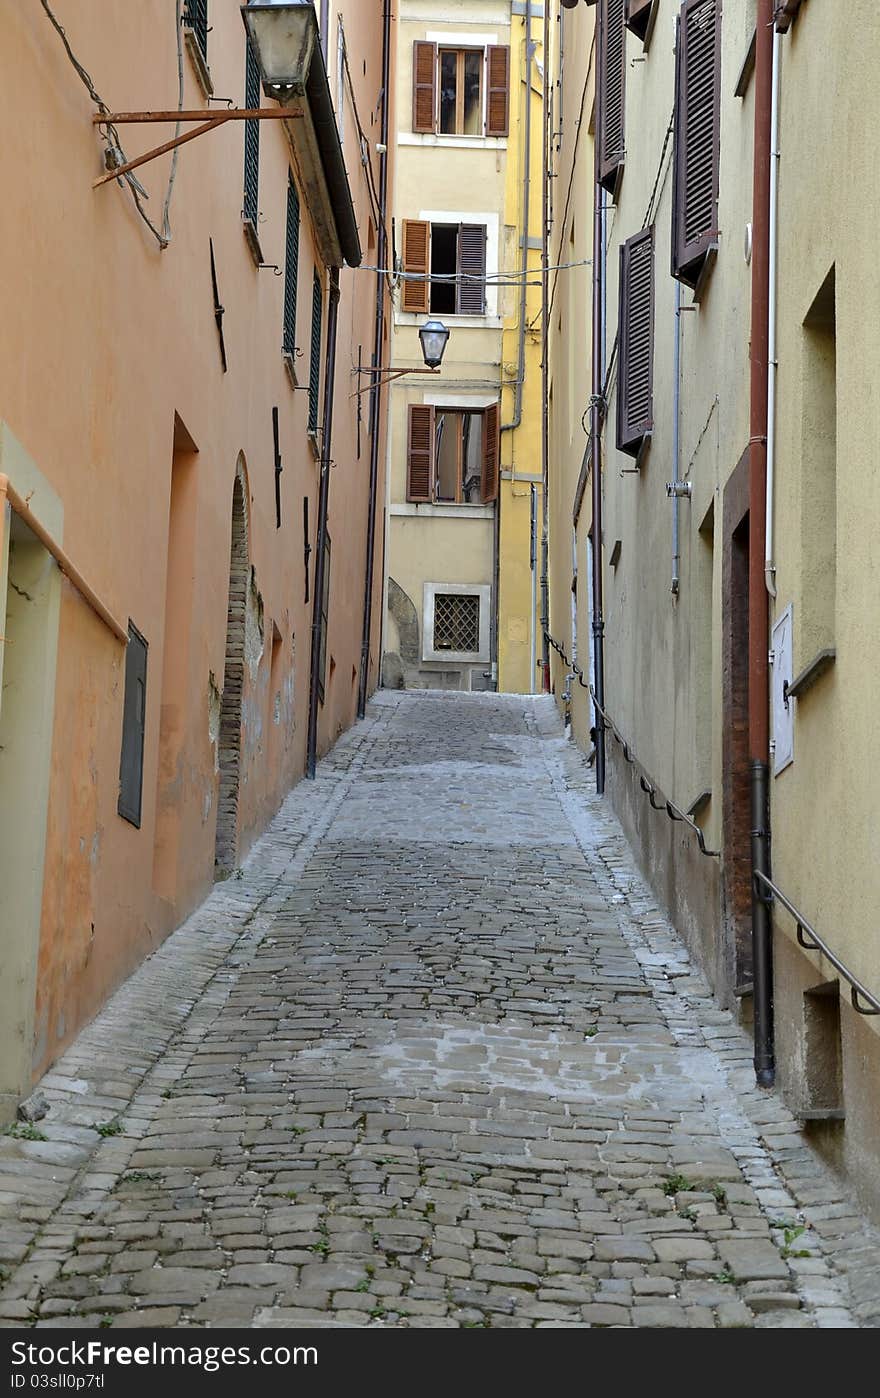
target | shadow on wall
x=397, y=664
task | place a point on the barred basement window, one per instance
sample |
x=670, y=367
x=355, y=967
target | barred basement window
x=457, y=623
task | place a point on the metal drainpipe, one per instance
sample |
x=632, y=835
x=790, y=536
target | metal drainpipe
x=323, y=512
x=376, y=393
x=759, y=638
x=545, y=367
x=676, y=441
x=772, y=366
x=527, y=188
x=598, y=278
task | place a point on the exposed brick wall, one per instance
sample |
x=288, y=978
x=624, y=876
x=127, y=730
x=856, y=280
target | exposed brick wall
x=226, y=847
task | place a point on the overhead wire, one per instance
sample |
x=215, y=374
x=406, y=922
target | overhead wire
x=115, y=150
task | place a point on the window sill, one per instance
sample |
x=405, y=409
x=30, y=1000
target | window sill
x=747, y=69
x=428, y=138
x=817, y=667
x=461, y=322
x=289, y=358
x=203, y=72
x=253, y=240
x=313, y=439
x=445, y=510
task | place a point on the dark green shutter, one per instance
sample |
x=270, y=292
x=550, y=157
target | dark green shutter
x=315, y=361
x=195, y=17
x=291, y=268
x=251, y=137
x=134, y=711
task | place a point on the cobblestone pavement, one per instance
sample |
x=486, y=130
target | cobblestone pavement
x=435, y=1058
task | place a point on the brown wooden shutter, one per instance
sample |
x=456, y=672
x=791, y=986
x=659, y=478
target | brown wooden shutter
x=471, y=285
x=697, y=147
x=420, y=454
x=416, y=262
x=424, y=86
x=497, y=90
x=491, y=452
x=635, y=404
x=612, y=81
x=637, y=16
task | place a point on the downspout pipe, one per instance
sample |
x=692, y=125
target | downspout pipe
x=772, y=365
x=526, y=223
x=759, y=630
x=545, y=364
x=376, y=391
x=323, y=514
x=596, y=402
x=676, y=444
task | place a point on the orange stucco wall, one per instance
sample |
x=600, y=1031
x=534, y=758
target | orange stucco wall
x=104, y=339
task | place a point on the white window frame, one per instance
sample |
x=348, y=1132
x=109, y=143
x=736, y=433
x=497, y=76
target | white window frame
x=481, y=590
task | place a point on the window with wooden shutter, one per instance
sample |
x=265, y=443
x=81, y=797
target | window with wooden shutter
x=491, y=454
x=424, y=87
x=420, y=454
x=471, y=297
x=250, y=208
x=134, y=713
x=291, y=268
x=612, y=82
x=416, y=263
x=639, y=16
x=315, y=358
x=635, y=405
x=697, y=138
x=497, y=90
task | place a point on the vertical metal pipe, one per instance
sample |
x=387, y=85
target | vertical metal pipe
x=676, y=440
x=323, y=513
x=533, y=565
x=526, y=223
x=759, y=631
x=596, y=415
x=769, y=563
x=376, y=390
x=545, y=365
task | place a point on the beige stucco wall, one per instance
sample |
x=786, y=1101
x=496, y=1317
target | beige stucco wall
x=106, y=339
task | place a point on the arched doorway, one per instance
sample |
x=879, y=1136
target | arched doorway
x=226, y=841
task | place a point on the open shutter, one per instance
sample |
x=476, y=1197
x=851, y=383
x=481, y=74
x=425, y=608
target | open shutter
x=416, y=262
x=420, y=454
x=315, y=353
x=635, y=405
x=497, y=90
x=697, y=149
x=638, y=16
x=491, y=450
x=252, y=99
x=471, y=285
x=134, y=713
x=612, y=78
x=424, y=87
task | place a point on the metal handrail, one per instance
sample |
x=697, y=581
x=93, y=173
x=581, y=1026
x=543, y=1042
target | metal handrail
x=647, y=785
x=815, y=943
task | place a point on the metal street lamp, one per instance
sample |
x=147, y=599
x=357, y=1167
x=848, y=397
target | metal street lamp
x=433, y=336
x=283, y=35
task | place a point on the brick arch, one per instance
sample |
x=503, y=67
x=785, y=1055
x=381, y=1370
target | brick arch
x=226, y=840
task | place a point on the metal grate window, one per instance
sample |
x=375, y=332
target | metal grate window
x=195, y=17
x=251, y=138
x=315, y=360
x=291, y=268
x=134, y=710
x=457, y=623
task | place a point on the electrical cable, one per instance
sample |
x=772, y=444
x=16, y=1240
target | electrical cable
x=138, y=193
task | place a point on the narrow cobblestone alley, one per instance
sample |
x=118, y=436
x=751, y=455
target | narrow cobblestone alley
x=434, y=1058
